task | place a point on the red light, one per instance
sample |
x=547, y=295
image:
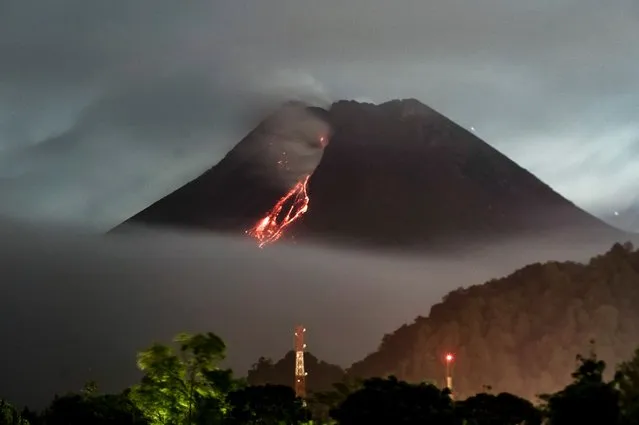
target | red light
x=449, y=358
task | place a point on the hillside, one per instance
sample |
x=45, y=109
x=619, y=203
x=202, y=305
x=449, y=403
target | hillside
x=250, y=179
x=396, y=175
x=521, y=333
x=321, y=375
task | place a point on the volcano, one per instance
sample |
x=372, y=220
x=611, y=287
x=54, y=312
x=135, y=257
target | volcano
x=395, y=175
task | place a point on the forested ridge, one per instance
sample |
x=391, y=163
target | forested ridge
x=520, y=333
x=321, y=375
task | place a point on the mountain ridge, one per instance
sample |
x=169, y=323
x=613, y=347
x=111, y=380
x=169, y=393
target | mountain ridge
x=519, y=333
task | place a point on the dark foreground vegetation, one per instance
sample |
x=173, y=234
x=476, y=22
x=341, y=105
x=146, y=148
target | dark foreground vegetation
x=520, y=333
x=183, y=384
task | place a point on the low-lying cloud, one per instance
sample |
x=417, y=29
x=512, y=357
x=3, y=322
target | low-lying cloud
x=77, y=307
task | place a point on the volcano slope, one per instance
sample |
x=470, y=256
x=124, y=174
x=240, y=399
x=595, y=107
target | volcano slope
x=396, y=175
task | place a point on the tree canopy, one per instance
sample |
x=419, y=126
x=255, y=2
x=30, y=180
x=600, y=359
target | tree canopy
x=176, y=383
x=321, y=375
x=9, y=415
x=520, y=334
x=184, y=385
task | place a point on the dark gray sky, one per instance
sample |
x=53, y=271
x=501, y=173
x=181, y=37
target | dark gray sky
x=107, y=106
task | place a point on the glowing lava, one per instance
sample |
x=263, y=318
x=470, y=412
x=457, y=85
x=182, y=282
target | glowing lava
x=289, y=208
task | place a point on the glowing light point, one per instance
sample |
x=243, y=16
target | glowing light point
x=449, y=357
x=616, y=213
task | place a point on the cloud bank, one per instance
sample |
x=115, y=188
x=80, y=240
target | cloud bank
x=77, y=307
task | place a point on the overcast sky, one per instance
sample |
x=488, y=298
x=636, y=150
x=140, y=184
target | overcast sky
x=107, y=106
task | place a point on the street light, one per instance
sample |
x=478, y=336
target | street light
x=450, y=358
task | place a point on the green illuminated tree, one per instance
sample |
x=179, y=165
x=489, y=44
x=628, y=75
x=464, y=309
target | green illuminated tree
x=9, y=415
x=180, y=386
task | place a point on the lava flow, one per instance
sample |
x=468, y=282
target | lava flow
x=289, y=208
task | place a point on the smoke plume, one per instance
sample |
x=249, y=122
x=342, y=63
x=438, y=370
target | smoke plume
x=294, y=139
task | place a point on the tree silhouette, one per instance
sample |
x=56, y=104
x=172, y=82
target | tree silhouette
x=82, y=409
x=390, y=401
x=266, y=405
x=501, y=409
x=321, y=375
x=627, y=379
x=587, y=400
x=322, y=402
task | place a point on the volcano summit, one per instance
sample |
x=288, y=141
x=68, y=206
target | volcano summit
x=395, y=175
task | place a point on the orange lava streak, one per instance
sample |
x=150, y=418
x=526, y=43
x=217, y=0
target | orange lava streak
x=271, y=227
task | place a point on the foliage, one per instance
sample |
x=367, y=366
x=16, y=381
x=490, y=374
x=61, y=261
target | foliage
x=500, y=409
x=322, y=402
x=389, y=401
x=177, y=386
x=627, y=380
x=519, y=334
x=93, y=409
x=188, y=388
x=587, y=400
x=9, y=415
x=321, y=383
x=266, y=405
x=321, y=375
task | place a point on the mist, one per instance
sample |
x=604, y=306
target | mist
x=78, y=306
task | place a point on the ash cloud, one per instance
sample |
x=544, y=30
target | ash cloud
x=295, y=138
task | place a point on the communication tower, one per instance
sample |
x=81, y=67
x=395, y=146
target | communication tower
x=300, y=373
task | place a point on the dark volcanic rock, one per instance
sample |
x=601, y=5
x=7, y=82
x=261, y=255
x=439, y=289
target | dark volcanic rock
x=397, y=174
x=246, y=183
